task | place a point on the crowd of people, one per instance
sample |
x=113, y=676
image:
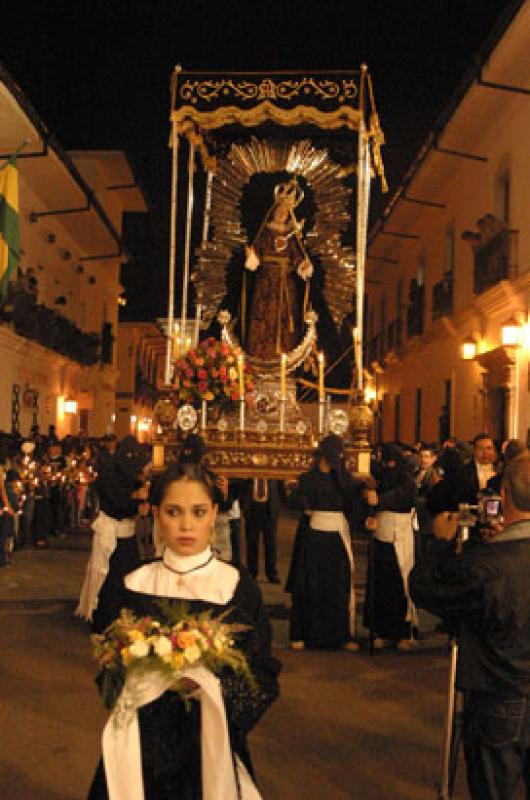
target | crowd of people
x=48, y=486
x=177, y=536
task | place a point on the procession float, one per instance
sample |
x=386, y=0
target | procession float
x=271, y=176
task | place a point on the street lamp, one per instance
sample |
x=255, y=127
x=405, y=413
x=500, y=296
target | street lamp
x=511, y=333
x=70, y=406
x=468, y=349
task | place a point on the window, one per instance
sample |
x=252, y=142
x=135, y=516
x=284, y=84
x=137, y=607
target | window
x=449, y=265
x=417, y=416
x=397, y=417
x=503, y=191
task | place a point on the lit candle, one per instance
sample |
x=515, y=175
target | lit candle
x=176, y=339
x=198, y=311
x=240, y=366
x=283, y=369
x=321, y=377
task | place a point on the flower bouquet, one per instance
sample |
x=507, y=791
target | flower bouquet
x=212, y=372
x=140, y=645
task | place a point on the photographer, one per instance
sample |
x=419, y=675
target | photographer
x=486, y=591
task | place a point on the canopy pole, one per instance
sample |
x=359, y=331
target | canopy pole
x=363, y=193
x=189, y=213
x=172, y=255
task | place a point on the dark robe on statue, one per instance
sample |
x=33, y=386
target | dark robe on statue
x=274, y=316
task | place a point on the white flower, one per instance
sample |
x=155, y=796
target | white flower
x=139, y=649
x=192, y=654
x=162, y=646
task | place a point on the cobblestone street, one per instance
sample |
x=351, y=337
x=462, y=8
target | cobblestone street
x=347, y=727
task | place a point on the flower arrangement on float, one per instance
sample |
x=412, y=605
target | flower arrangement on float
x=143, y=645
x=213, y=372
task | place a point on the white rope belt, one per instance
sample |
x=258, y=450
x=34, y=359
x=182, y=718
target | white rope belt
x=121, y=739
x=336, y=522
x=107, y=531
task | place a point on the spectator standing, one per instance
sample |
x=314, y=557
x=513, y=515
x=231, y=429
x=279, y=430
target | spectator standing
x=261, y=506
x=487, y=593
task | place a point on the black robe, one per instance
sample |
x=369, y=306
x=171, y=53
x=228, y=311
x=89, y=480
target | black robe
x=170, y=735
x=320, y=574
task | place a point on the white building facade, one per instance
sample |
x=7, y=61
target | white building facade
x=449, y=265
x=59, y=322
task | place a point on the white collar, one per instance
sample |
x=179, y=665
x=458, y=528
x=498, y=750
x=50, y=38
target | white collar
x=183, y=564
x=214, y=582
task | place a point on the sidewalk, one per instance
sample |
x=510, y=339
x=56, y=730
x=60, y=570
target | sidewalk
x=40, y=575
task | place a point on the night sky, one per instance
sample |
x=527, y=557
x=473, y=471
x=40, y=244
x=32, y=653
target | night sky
x=98, y=75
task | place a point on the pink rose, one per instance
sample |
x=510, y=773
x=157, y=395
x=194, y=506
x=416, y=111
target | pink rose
x=203, y=386
x=223, y=374
x=202, y=374
x=189, y=373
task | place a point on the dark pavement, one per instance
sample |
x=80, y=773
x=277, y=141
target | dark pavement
x=347, y=727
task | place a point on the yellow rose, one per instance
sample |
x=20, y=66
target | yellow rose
x=209, y=397
x=232, y=373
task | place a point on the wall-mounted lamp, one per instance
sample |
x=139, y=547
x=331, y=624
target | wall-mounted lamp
x=512, y=333
x=468, y=349
x=122, y=301
x=370, y=394
x=70, y=406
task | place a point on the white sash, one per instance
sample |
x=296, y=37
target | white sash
x=107, y=531
x=396, y=528
x=121, y=739
x=336, y=522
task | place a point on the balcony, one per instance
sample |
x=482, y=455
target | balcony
x=495, y=260
x=48, y=328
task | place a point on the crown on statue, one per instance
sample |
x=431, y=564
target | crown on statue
x=289, y=193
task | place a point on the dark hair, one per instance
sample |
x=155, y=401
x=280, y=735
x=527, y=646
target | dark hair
x=516, y=480
x=482, y=436
x=187, y=471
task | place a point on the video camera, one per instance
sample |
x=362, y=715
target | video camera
x=487, y=512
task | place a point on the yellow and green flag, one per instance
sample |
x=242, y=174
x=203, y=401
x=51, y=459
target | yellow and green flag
x=9, y=229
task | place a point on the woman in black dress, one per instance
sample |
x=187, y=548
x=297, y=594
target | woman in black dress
x=172, y=738
x=322, y=568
